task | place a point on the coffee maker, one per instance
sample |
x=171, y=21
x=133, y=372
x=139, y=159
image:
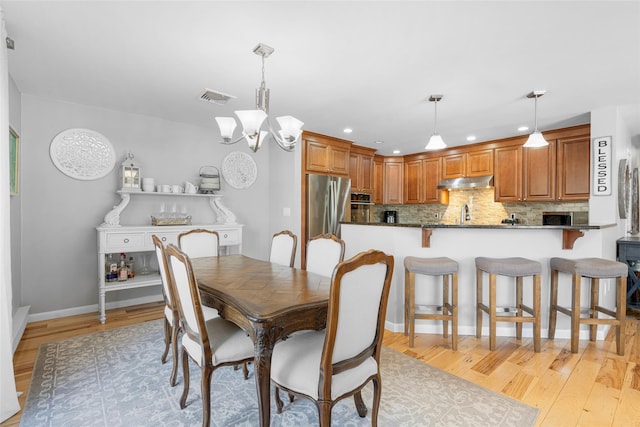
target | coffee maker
x=391, y=217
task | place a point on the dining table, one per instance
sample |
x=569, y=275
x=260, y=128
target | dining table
x=268, y=300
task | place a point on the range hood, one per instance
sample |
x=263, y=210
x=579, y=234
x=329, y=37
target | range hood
x=470, y=182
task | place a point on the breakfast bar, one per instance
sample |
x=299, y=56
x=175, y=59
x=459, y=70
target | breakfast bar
x=463, y=243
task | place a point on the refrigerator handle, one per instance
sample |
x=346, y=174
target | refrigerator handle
x=333, y=206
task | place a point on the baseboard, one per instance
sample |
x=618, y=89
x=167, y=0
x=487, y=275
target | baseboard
x=92, y=308
x=19, y=322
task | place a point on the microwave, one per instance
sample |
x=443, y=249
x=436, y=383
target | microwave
x=565, y=218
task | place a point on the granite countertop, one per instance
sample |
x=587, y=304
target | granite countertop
x=490, y=226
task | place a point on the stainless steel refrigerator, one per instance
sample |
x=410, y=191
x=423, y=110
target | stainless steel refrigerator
x=327, y=202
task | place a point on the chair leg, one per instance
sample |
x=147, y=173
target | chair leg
x=279, y=403
x=575, y=312
x=175, y=329
x=406, y=301
x=377, y=392
x=412, y=307
x=621, y=312
x=185, y=378
x=445, y=303
x=553, y=312
x=492, y=312
x=478, y=302
x=360, y=406
x=595, y=296
x=519, y=280
x=324, y=411
x=536, y=313
x=167, y=340
x=454, y=311
x=205, y=388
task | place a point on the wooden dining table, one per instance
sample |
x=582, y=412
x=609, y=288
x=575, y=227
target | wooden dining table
x=270, y=301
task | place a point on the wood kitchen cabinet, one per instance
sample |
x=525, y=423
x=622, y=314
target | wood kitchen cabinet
x=421, y=178
x=454, y=166
x=361, y=169
x=467, y=164
x=325, y=154
x=539, y=173
x=574, y=160
x=393, y=181
x=378, y=179
x=507, y=177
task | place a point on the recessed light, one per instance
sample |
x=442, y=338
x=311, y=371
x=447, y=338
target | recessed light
x=396, y=151
x=523, y=128
x=378, y=142
x=471, y=138
x=348, y=130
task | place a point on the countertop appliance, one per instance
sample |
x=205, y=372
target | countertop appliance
x=565, y=218
x=327, y=201
x=391, y=217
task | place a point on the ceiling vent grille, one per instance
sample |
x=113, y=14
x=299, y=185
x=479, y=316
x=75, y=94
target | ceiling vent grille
x=215, y=97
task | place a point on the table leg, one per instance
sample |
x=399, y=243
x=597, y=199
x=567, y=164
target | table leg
x=263, y=346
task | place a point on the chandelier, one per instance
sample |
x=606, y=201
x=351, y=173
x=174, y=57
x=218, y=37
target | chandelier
x=252, y=120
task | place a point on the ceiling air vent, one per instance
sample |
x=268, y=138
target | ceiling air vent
x=215, y=97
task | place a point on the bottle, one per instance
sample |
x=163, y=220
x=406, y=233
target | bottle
x=111, y=269
x=131, y=272
x=123, y=272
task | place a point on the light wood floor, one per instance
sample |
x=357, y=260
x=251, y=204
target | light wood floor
x=594, y=387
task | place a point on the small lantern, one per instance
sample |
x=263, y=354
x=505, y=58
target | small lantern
x=130, y=174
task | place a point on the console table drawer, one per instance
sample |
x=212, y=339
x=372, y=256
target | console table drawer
x=229, y=237
x=166, y=238
x=123, y=242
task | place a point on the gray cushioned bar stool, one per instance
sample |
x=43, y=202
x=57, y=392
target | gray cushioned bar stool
x=594, y=269
x=442, y=266
x=512, y=267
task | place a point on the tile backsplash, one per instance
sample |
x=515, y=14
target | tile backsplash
x=482, y=208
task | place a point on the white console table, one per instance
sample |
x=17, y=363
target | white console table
x=115, y=238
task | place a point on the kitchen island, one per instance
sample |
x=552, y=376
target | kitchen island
x=464, y=243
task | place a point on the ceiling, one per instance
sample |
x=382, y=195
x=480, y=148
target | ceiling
x=366, y=65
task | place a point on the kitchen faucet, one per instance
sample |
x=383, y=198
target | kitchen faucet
x=464, y=214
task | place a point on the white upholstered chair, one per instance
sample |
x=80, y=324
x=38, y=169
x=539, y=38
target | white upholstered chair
x=171, y=314
x=211, y=343
x=332, y=364
x=199, y=243
x=323, y=253
x=283, y=248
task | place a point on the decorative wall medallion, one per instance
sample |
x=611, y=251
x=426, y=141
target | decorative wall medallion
x=239, y=169
x=82, y=154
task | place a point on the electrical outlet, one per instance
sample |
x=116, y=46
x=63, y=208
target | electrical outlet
x=436, y=215
x=512, y=216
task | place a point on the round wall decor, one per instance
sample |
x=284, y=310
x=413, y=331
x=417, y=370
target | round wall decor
x=239, y=169
x=82, y=154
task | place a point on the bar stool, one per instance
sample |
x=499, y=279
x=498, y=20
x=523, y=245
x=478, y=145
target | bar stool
x=512, y=267
x=445, y=267
x=594, y=269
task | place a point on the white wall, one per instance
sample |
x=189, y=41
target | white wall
x=15, y=121
x=59, y=213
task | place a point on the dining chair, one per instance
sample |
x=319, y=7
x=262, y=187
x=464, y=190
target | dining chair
x=171, y=314
x=211, y=343
x=324, y=252
x=283, y=248
x=329, y=365
x=199, y=243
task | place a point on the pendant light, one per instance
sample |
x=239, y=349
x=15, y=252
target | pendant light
x=435, y=142
x=536, y=139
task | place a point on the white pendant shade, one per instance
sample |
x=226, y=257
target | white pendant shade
x=227, y=125
x=255, y=141
x=536, y=140
x=291, y=128
x=251, y=120
x=435, y=143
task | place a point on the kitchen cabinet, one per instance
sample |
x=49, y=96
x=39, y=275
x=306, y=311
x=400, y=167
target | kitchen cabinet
x=507, y=177
x=361, y=169
x=378, y=180
x=393, y=181
x=573, y=168
x=421, y=178
x=325, y=154
x=539, y=173
x=467, y=164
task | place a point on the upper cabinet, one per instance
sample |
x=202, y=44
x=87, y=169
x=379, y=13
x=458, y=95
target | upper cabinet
x=467, y=164
x=326, y=155
x=573, y=167
x=378, y=179
x=507, y=176
x=421, y=177
x=393, y=180
x=361, y=169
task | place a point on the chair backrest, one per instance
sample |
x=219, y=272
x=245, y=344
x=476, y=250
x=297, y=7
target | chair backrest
x=188, y=298
x=323, y=253
x=356, y=314
x=283, y=248
x=167, y=287
x=199, y=243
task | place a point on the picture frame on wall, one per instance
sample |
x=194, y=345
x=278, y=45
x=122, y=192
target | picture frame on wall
x=14, y=161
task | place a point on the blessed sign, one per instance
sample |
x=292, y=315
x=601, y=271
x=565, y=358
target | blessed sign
x=601, y=154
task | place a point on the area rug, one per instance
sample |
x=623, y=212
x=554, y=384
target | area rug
x=115, y=378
